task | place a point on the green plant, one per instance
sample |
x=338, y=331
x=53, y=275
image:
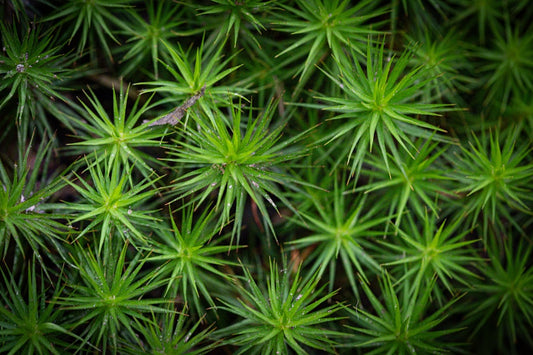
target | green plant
x=493, y=179
x=416, y=185
x=109, y=296
x=430, y=253
x=446, y=66
x=508, y=67
x=486, y=14
x=27, y=217
x=284, y=316
x=100, y=16
x=244, y=176
x=402, y=323
x=198, y=72
x=31, y=68
x=235, y=163
x=110, y=204
x=32, y=324
x=146, y=36
x=164, y=334
x=504, y=298
x=117, y=137
x=324, y=27
x=236, y=18
x=380, y=104
x=188, y=256
x=340, y=227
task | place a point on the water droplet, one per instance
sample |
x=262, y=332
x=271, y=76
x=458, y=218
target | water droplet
x=270, y=200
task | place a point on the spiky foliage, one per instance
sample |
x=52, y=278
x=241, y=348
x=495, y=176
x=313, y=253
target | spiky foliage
x=109, y=204
x=29, y=322
x=287, y=315
x=427, y=251
x=521, y=113
x=261, y=143
x=170, y=333
x=448, y=66
x=190, y=257
x=236, y=163
x=415, y=186
x=27, y=217
x=402, y=322
x=507, y=67
x=110, y=296
x=325, y=27
x=501, y=305
x=203, y=69
x=119, y=136
x=420, y=13
x=232, y=18
x=380, y=104
x=480, y=15
x=340, y=227
x=147, y=35
x=31, y=66
x=90, y=23
x=493, y=175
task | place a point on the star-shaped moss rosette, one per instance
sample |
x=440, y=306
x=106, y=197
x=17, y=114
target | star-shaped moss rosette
x=245, y=160
x=379, y=107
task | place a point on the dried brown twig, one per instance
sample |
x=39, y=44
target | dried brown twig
x=176, y=115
